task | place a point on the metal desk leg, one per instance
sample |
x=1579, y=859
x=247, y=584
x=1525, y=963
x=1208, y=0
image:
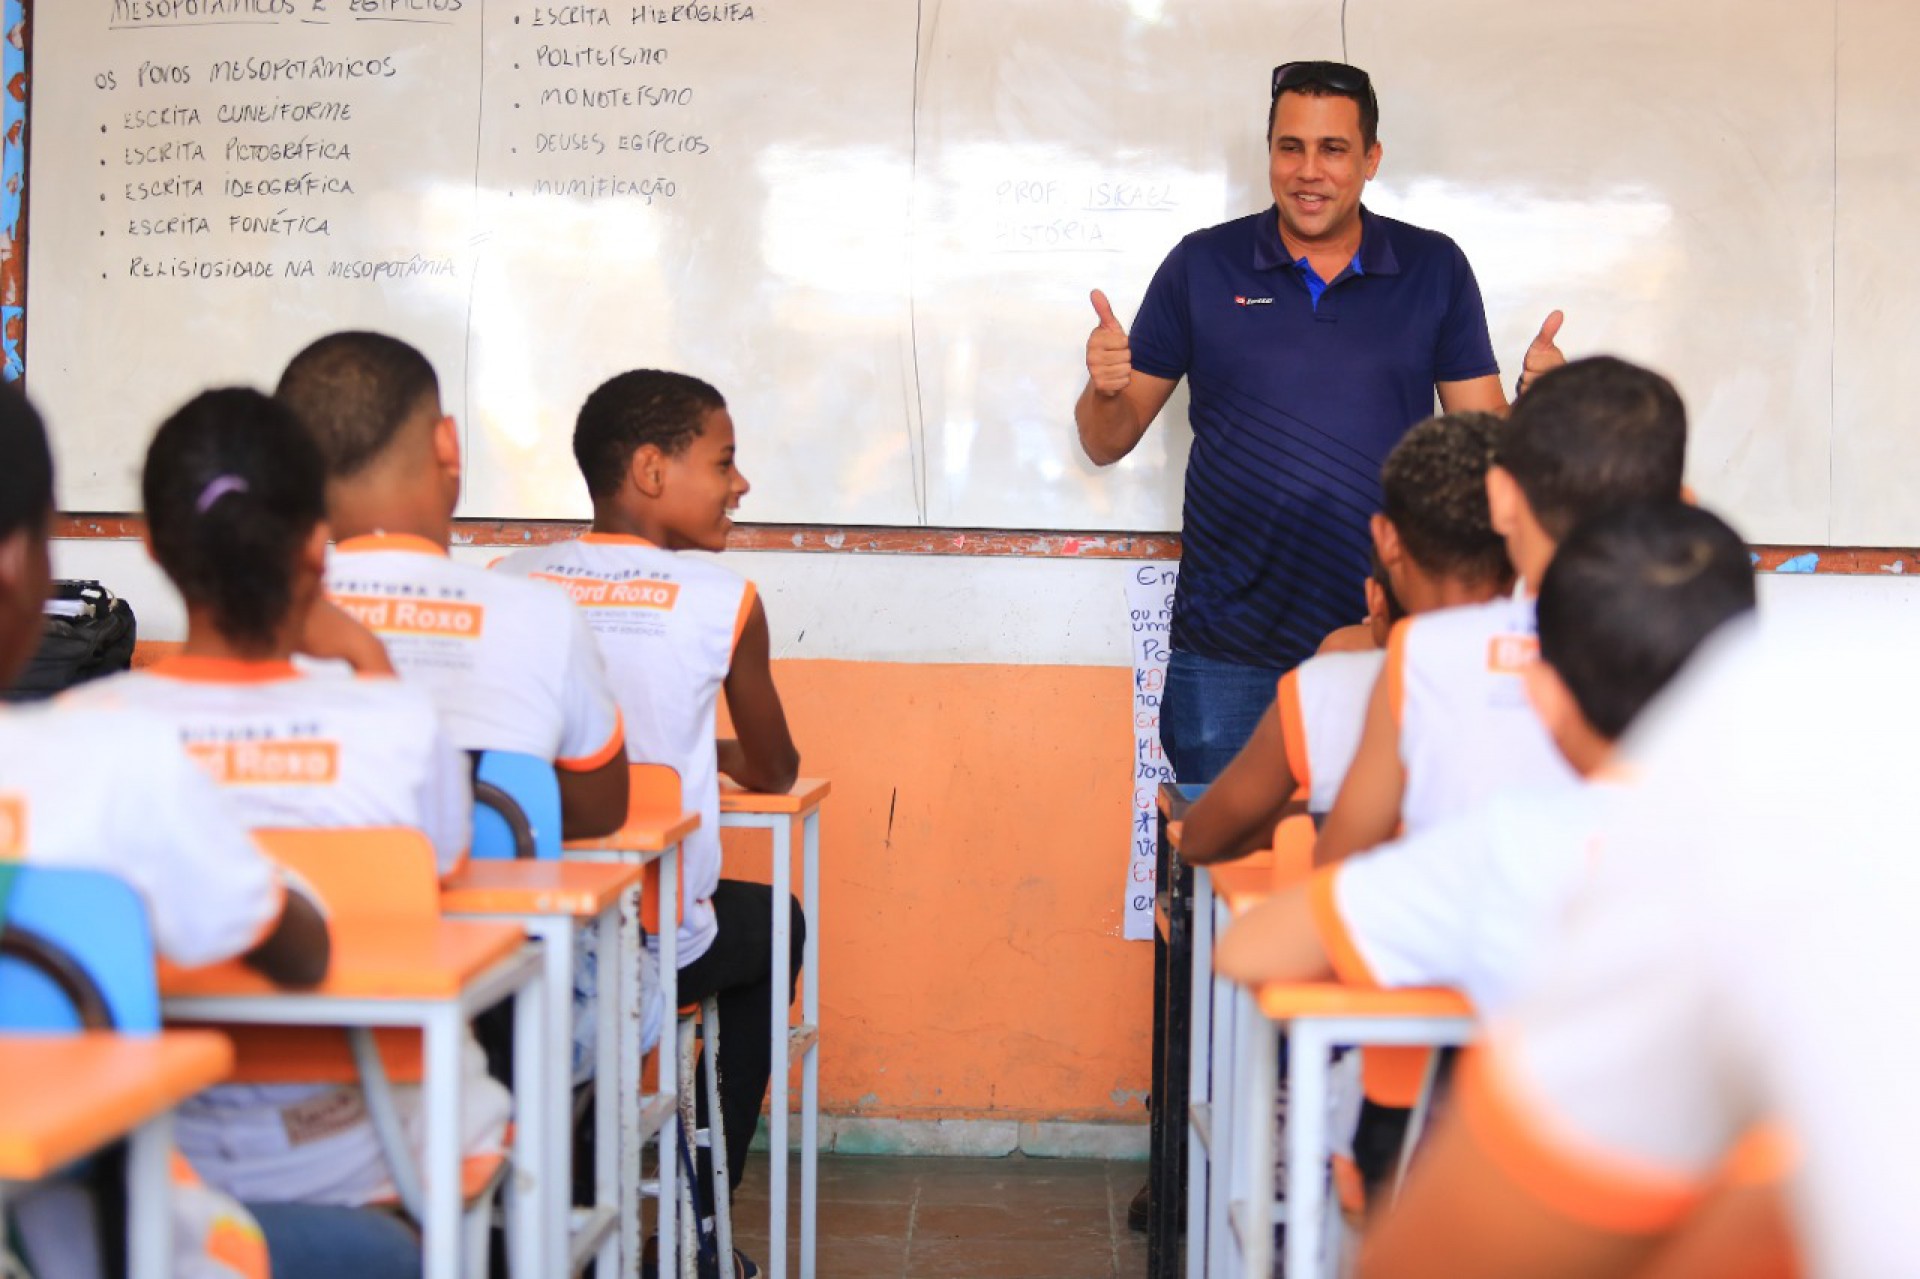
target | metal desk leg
x=1255, y=1085
x=669, y=1228
x=531, y=1197
x=1307, y=1070
x=443, y=1030
x=1202, y=1101
x=617, y=943
x=782, y=832
x=150, y=1199
x=1227, y=1120
x=810, y=1069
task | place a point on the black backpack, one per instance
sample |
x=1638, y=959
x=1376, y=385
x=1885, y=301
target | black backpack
x=89, y=633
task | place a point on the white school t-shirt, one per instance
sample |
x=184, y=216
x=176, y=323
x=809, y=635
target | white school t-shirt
x=1466, y=728
x=104, y=789
x=1323, y=710
x=1470, y=902
x=509, y=663
x=300, y=747
x=291, y=749
x=1745, y=952
x=108, y=789
x=667, y=626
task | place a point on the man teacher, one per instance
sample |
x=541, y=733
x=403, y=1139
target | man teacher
x=1312, y=335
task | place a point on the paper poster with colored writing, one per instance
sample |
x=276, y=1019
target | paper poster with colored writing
x=1150, y=618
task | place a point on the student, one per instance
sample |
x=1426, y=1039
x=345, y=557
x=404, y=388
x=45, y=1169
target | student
x=1436, y=548
x=1473, y=900
x=235, y=494
x=510, y=664
x=1744, y=953
x=109, y=790
x=1448, y=722
x=657, y=453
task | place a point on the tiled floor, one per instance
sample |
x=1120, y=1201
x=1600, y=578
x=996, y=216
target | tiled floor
x=1013, y=1218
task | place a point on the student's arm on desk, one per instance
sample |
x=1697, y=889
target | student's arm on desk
x=1119, y=403
x=1368, y=808
x=1237, y=814
x=1274, y=941
x=297, y=951
x=761, y=755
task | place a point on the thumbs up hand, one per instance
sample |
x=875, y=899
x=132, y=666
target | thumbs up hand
x=1542, y=355
x=1109, y=358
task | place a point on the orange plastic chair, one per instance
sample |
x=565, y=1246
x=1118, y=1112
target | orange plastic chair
x=363, y=877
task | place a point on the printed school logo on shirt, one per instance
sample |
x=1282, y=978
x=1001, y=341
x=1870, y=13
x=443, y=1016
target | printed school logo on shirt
x=13, y=826
x=389, y=615
x=590, y=592
x=300, y=762
x=1510, y=654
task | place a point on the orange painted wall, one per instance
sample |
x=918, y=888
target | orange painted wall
x=972, y=860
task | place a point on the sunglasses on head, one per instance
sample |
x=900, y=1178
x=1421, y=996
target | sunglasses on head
x=1337, y=76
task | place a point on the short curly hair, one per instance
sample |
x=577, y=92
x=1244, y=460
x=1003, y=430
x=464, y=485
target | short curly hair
x=1434, y=490
x=633, y=409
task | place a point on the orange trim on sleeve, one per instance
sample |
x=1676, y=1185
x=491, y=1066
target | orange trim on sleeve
x=1590, y=1187
x=587, y=763
x=1764, y=1157
x=747, y=598
x=1293, y=730
x=1396, y=672
x=613, y=539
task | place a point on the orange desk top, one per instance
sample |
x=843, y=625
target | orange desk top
x=643, y=833
x=580, y=889
x=802, y=797
x=372, y=959
x=68, y=1095
x=1283, y=1000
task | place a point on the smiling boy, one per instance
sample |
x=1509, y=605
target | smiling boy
x=657, y=452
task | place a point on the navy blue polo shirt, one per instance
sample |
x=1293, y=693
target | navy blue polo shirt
x=1295, y=403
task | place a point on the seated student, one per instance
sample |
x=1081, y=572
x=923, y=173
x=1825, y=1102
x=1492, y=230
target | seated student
x=109, y=790
x=1473, y=900
x=657, y=452
x=510, y=664
x=1448, y=722
x=1383, y=611
x=1434, y=543
x=1744, y=953
x=235, y=495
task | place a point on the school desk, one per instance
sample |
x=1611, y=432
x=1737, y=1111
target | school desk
x=650, y=840
x=778, y=814
x=434, y=977
x=553, y=901
x=1167, y=1122
x=1314, y=1017
x=68, y=1095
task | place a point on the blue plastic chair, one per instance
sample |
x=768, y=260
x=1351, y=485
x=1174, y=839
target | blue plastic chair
x=516, y=807
x=76, y=952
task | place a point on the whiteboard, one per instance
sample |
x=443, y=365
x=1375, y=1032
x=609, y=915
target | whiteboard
x=873, y=223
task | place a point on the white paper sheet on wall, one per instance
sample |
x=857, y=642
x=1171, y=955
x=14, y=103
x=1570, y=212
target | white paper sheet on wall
x=1150, y=616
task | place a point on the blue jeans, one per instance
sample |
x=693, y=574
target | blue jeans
x=321, y=1241
x=1209, y=710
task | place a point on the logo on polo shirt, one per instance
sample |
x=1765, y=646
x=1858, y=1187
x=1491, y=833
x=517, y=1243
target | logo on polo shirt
x=13, y=826
x=1241, y=299
x=1511, y=654
x=386, y=615
x=593, y=592
x=289, y=763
